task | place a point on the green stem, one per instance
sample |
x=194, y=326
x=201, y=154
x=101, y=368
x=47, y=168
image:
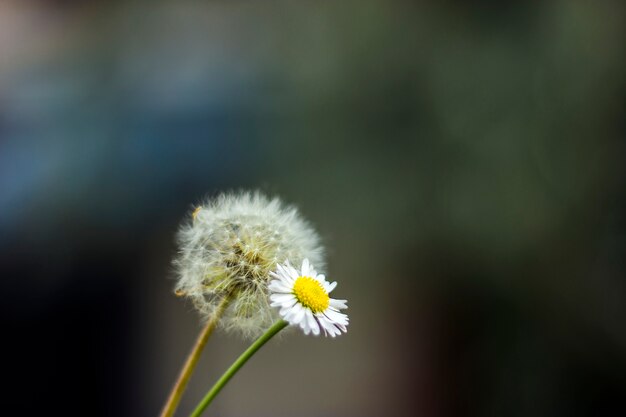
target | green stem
x=241, y=360
x=192, y=360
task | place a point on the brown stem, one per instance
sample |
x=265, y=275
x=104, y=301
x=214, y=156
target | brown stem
x=185, y=374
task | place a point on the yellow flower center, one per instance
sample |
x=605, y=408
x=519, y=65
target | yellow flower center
x=311, y=294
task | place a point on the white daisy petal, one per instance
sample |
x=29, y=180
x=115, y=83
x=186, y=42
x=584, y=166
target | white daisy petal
x=285, y=304
x=336, y=317
x=337, y=328
x=280, y=296
x=299, y=315
x=296, y=313
x=326, y=325
x=292, y=272
x=277, y=304
x=338, y=304
x=275, y=275
x=279, y=287
x=312, y=322
x=329, y=286
x=285, y=310
x=280, y=272
x=305, y=268
x=289, y=303
x=333, y=330
x=286, y=275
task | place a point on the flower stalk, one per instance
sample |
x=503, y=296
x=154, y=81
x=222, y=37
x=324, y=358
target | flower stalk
x=230, y=372
x=192, y=360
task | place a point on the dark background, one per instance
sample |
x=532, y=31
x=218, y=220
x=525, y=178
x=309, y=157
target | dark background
x=463, y=161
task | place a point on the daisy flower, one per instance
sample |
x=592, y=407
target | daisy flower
x=303, y=300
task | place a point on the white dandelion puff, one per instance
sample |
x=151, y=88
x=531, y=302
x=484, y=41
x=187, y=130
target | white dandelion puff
x=303, y=299
x=229, y=248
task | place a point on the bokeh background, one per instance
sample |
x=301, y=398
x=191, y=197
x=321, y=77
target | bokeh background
x=463, y=160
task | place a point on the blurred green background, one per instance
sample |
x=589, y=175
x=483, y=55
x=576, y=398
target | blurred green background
x=463, y=161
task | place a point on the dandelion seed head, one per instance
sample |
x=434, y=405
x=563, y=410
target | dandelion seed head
x=229, y=245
